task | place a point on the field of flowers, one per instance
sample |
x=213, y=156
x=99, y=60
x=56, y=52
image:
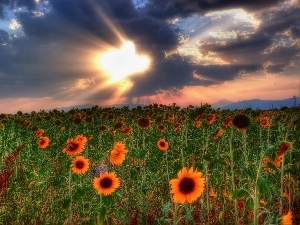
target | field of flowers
x=150, y=165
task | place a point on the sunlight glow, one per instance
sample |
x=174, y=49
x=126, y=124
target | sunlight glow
x=120, y=63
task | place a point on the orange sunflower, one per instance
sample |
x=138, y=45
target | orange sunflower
x=73, y=147
x=39, y=133
x=188, y=187
x=126, y=130
x=81, y=139
x=117, y=154
x=219, y=134
x=211, y=118
x=80, y=165
x=227, y=121
x=144, y=123
x=43, y=142
x=107, y=183
x=265, y=122
x=162, y=145
x=287, y=219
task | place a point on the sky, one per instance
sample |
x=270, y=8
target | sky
x=60, y=53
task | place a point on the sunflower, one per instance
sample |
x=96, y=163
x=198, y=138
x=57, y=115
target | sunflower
x=39, y=133
x=287, y=219
x=211, y=118
x=197, y=123
x=103, y=128
x=265, y=122
x=227, y=121
x=43, y=142
x=107, y=183
x=176, y=126
x=144, y=123
x=161, y=127
x=73, y=147
x=80, y=165
x=126, y=130
x=283, y=148
x=117, y=154
x=241, y=121
x=162, y=144
x=219, y=134
x=188, y=187
x=81, y=139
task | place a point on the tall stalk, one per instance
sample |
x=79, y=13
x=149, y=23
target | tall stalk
x=256, y=191
x=232, y=175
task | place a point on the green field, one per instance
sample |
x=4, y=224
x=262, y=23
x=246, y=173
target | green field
x=250, y=160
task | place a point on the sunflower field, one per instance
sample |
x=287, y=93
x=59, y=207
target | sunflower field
x=156, y=164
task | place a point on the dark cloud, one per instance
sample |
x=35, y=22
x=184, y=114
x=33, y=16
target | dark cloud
x=253, y=5
x=184, y=8
x=3, y=36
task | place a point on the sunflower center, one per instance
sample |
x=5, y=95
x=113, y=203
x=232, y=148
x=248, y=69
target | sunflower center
x=162, y=144
x=79, y=164
x=187, y=185
x=73, y=147
x=106, y=182
x=42, y=142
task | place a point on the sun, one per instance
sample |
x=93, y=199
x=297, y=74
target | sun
x=120, y=63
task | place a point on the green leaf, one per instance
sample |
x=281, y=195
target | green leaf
x=102, y=213
x=207, y=157
x=66, y=203
x=188, y=213
x=240, y=193
x=107, y=200
x=262, y=185
x=166, y=208
x=249, y=203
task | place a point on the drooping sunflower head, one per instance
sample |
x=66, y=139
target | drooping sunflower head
x=162, y=145
x=126, y=130
x=39, y=132
x=107, y=183
x=80, y=165
x=188, y=186
x=144, y=123
x=211, y=118
x=265, y=122
x=43, y=142
x=241, y=121
x=73, y=147
x=161, y=127
x=283, y=148
x=227, y=121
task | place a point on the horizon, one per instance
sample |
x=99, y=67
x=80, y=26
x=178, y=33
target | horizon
x=56, y=54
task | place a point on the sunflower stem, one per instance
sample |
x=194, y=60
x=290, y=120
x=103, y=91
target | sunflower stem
x=70, y=195
x=281, y=186
x=232, y=175
x=256, y=191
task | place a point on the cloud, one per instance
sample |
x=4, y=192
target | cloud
x=184, y=8
x=55, y=51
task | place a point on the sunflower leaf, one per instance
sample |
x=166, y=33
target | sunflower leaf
x=66, y=203
x=166, y=208
x=240, y=193
x=188, y=213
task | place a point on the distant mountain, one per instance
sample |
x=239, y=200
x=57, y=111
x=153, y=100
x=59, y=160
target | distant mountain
x=259, y=104
x=88, y=106
x=221, y=104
